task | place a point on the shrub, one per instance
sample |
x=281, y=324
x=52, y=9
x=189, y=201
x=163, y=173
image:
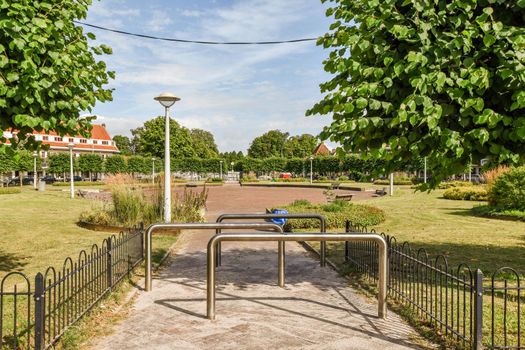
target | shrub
x=343, y=178
x=468, y=193
x=8, y=190
x=188, y=206
x=127, y=205
x=447, y=185
x=98, y=217
x=215, y=180
x=490, y=176
x=322, y=178
x=336, y=214
x=508, y=191
x=293, y=179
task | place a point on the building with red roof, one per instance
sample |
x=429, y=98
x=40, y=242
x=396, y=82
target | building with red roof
x=100, y=142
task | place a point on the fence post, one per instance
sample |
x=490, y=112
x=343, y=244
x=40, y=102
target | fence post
x=109, y=265
x=142, y=238
x=347, y=244
x=40, y=302
x=478, y=310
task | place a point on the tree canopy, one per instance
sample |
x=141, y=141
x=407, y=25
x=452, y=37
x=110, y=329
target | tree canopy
x=276, y=143
x=123, y=144
x=204, y=144
x=438, y=79
x=300, y=146
x=269, y=144
x=48, y=71
x=148, y=140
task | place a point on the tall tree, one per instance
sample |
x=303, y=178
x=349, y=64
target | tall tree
x=300, y=146
x=91, y=163
x=48, y=72
x=115, y=164
x=123, y=144
x=270, y=144
x=149, y=139
x=204, y=143
x=58, y=163
x=438, y=79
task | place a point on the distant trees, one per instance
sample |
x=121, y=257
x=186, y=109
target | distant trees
x=115, y=164
x=203, y=143
x=123, y=144
x=276, y=143
x=148, y=140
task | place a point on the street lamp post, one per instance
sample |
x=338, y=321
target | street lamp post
x=71, y=179
x=153, y=170
x=35, y=154
x=311, y=169
x=167, y=100
x=220, y=164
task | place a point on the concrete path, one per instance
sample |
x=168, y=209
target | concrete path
x=316, y=309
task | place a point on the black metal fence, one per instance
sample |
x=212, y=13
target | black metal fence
x=457, y=302
x=35, y=316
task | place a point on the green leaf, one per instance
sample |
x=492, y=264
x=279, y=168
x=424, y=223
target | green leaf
x=489, y=40
x=39, y=22
x=361, y=103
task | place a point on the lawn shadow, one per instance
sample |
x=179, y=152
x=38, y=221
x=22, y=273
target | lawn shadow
x=11, y=262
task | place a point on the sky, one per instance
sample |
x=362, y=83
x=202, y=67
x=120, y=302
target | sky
x=236, y=92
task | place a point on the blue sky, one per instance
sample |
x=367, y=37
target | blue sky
x=236, y=92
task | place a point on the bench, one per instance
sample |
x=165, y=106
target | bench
x=345, y=197
x=381, y=192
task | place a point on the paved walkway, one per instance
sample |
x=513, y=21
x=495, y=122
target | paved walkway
x=316, y=309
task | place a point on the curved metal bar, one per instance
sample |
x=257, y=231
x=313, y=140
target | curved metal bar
x=321, y=218
x=205, y=226
x=322, y=237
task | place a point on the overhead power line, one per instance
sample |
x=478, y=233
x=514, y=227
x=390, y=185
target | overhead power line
x=202, y=42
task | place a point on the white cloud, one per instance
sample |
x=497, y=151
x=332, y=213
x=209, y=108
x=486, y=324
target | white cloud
x=236, y=92
x=158, y=21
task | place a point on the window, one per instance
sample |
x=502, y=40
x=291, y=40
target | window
x=45, y=138
x=58, y=138
x=95, y=142
x=83, y=141
x=104, y=142
x=71, y=139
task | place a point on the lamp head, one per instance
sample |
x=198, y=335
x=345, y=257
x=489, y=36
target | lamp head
x=70, y=145
x=167, y=99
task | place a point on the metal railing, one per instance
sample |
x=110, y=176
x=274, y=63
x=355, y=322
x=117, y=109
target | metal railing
x=379, y=241
x=36, y=316
x=207, y=226
x=322, y=228
x=461, y=306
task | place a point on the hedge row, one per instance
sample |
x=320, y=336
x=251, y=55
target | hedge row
x=468, y=193
x=8, y=190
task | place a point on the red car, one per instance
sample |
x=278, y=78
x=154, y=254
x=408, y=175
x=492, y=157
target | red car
x=285, y=176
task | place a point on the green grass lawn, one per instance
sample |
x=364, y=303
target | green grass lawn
x=448, y=227
x=38, y=229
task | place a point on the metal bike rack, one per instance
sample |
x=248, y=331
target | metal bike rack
x=206, y=226
x=322, y=237
x=322, y=227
